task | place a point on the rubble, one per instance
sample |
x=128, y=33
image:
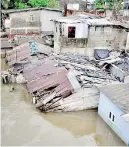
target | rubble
x=64, y=82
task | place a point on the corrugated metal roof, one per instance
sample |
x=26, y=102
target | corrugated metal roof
x=39, y=71
x=90, y=19
x=29, y=9
x=118, y=94
x=46, y=82
x=23, y=52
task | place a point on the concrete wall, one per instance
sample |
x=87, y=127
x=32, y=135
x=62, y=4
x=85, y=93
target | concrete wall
x=46, y=16
x=57, y=44
x=106, y=38
x=81, y=30
x=33, y=21
x=106, y=135
x=127, y=43
x=98, y=38
x=120, y=126
x=126, y=79
x=25, y=22
x=117, y=72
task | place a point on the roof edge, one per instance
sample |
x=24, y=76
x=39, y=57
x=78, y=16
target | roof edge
x=29, y=9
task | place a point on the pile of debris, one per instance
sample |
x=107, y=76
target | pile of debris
x=64, y=82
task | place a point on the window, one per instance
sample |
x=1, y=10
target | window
x=113, y=119
x=71, y=32
x=110, y=115
x=31, y=18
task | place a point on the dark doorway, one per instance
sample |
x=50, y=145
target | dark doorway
x=71, y=32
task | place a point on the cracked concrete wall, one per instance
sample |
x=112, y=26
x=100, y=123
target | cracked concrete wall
x=105, y=38
x=27, y=22
x=109, y=37
x=98, y=37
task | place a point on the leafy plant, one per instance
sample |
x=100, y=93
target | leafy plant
x=108, y=4
x=38, y=3
x=53, y=4
x=20, y=5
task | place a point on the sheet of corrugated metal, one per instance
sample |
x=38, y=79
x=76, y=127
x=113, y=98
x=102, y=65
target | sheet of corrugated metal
x=38, y=72
x=48, y=81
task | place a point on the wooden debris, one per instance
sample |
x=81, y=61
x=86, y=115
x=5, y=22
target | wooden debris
x=64, y=82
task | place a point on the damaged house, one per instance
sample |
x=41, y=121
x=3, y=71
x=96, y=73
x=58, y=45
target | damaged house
x=81, y=34
x=64, y=82
x=117, y=64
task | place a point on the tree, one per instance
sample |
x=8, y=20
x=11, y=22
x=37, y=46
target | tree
x=39, y=3
x=53, y=4
x=108, y=4
x=21, y=4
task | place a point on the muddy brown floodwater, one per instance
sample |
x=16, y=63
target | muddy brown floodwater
x=23, y=125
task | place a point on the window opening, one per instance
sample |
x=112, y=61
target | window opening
x=113, y=119
x=71, y=32
x=110, y=115
x=31, y=18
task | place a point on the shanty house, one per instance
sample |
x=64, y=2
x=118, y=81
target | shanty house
x=73, y=6
x=31, y=20
x=114, y=109
x=83, y=33
x=24, y=21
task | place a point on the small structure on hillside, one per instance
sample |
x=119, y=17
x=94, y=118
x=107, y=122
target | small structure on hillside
x=114, y=108
x=73, y=6
x=124, y=13
x=82, y=34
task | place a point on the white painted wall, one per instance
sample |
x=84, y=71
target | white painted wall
x=127, y=43
x=73, y=6
x=80, y=32
x=46, y=16
x=120, y=126
x=57, y=44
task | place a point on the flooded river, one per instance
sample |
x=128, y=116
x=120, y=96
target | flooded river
x=23, y=125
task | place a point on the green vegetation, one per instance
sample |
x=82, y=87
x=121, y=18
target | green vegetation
x=38, y=3
x=107, y=4
x=21, y=4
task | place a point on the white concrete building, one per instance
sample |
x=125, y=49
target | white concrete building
x=83, y=33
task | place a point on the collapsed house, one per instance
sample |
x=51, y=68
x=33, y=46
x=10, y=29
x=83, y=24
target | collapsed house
x=64, y=82
x=81, y=34
x=117, y=64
